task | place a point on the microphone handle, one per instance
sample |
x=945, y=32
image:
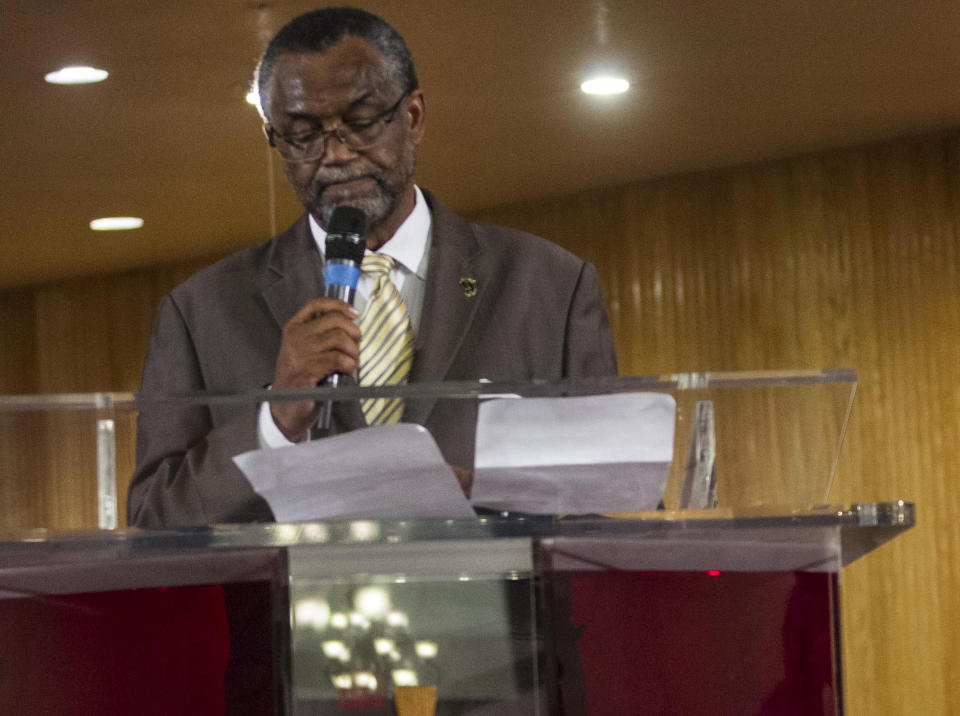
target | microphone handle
x=347, y=294
x=338, y=290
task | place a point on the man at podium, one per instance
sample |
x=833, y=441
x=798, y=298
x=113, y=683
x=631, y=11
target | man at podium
x=342, y=106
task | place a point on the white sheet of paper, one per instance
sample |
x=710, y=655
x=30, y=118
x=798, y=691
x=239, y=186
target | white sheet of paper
x=599, y=453
x=387, y=471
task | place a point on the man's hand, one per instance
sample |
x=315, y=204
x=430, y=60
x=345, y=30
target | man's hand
x=320, y=339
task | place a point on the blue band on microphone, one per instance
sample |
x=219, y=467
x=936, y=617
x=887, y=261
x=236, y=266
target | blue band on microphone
x=335, y=274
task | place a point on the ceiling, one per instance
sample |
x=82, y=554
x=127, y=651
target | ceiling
x=169, y=137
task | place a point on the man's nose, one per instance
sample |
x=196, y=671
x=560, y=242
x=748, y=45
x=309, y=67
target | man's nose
x=336, y=150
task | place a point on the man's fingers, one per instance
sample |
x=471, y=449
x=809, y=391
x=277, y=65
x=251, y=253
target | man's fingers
x=332, y=323
x=319, y=307
x=308, y=324
x=333, y=360
x=313, y=363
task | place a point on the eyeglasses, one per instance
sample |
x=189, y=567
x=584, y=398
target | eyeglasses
x=357, y=134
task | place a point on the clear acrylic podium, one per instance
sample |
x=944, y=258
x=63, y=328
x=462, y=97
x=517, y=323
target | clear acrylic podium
x=725, y=601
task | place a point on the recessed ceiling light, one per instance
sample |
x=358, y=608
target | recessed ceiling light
x=76, y=76
x=605, y=85
x=116, y=223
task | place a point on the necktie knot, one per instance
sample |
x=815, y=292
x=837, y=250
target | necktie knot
x=377, y=265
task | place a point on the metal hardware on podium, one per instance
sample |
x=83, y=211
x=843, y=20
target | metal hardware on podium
x=699, y=489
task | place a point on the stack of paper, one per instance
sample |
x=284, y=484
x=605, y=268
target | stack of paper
x=604, y=453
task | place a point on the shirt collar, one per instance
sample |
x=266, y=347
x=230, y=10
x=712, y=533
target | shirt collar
x=408, y=243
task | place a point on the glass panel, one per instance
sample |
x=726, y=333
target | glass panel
x=776, y=439
x=413, y=617
x=105, y=626
x=694, y=642
x=777, y=436
x=59, y=459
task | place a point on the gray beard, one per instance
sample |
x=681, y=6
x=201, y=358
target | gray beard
x=376, y=208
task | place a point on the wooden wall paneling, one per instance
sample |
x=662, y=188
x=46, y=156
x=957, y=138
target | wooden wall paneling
x=901, y=412
x=18, y=344
x=22, y=497
x=945, y=448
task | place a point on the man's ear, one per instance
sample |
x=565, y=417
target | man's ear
x=417, y=115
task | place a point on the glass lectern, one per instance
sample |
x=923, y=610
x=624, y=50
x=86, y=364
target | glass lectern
x=723, y=600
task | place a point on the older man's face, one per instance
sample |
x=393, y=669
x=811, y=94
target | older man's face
x=349, y=82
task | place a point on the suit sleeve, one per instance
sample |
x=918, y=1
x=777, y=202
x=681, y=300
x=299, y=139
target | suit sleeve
x=588, y=344
x=184, y=473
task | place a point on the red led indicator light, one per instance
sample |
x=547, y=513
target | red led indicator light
x=714, y=572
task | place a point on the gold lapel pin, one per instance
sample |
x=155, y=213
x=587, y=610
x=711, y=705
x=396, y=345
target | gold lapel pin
x=469, y=286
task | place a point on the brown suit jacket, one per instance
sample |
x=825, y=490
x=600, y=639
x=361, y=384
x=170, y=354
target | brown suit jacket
x=537, y=314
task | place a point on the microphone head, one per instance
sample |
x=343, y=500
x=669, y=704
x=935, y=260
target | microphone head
x=345, y=234
x=347, y=220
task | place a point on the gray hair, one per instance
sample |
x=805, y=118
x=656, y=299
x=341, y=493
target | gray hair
x=319, y=30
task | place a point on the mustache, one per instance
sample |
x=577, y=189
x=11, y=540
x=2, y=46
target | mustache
x=329, y=177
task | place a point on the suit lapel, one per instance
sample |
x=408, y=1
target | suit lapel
x=294, y=272
x=447, y=309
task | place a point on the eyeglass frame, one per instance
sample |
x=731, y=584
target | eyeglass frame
x=386, y=116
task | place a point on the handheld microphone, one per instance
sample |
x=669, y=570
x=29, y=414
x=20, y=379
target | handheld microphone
x=341, y=271
x=344, y=253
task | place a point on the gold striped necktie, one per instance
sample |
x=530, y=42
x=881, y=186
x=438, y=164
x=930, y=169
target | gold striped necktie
x=386, y=343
